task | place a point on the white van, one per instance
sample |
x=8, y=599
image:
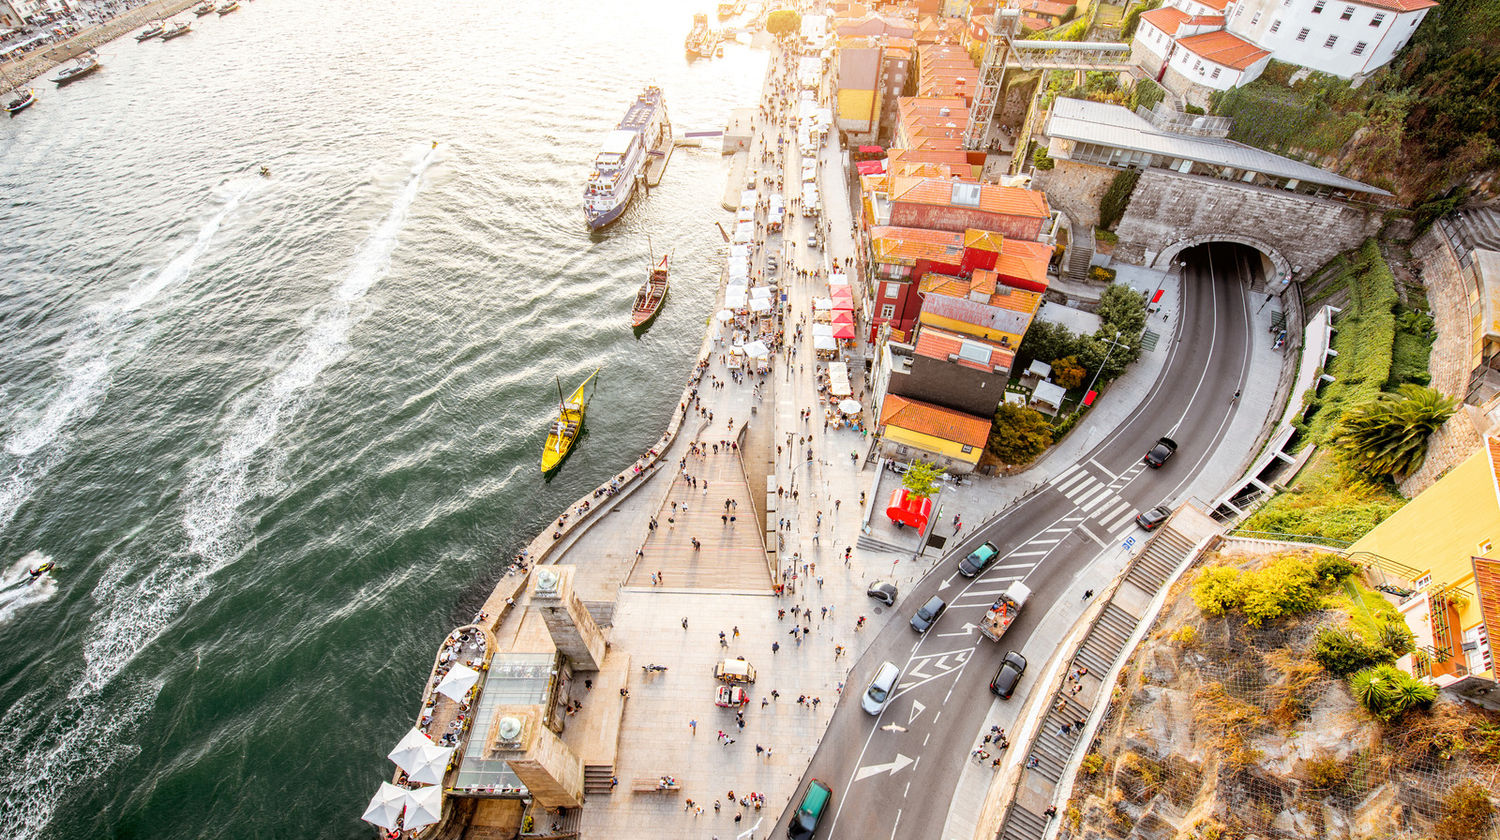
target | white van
x=881, y=687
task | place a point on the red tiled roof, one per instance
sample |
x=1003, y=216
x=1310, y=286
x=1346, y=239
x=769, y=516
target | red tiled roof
x=1026, y=260
x=1035, y=24
x=892, y=244
x=983, y=281
x=1166, y=18
x=1399, y=5
x=1218, y=5
x=993, y=198
x=947, y=156
x=928, y=419
x=1049, y=8
x=1223, y=48
x=941, y=344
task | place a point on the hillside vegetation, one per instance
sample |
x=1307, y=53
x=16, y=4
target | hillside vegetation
x=1427, y=123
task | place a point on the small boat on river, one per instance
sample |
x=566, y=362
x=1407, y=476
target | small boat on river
x=204, y=8
x=226, y=8
x=23, y=98
x=155, y=29
x=649, y=299
x=567, y=427
x=82, y=66
x=181, y=27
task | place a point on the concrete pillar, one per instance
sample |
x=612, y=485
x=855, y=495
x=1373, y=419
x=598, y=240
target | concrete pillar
x=572, y=628
x=542, y=761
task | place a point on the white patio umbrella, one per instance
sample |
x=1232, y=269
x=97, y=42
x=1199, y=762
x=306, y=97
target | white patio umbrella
x=431, y=766
x=724, y=315
x=760, y=292
x=824, y=342
x=385, y=807
x=460, y=679
x=760, y=305
x=409, y=750
x=757, y=350
x=424, y=806
x=849, y=406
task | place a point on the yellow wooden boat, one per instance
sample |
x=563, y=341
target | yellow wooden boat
x=567, y=427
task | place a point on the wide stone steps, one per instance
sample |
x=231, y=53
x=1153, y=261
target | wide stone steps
x=1161, y=557
x=869, y=543
x=1479, y=228
x=1021, y=824
x=596, y=778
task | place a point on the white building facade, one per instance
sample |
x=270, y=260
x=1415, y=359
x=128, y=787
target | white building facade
x=1197, y=46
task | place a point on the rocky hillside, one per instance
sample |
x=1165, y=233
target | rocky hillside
x=1225, y=730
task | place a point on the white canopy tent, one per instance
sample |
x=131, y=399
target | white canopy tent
x=825, y=330
x=424, y=806
x=460, y=679
x=748, y=198
x=838, y=278
x=757, y=350
x=409, y=749
x=724, y=315
x=822, y=303
x=739, y=267
x=838, y=379
x=385, y=807
x=744, y=231
x=760, y=305
x=824, y=342
x=760, y=293
x=735, y=297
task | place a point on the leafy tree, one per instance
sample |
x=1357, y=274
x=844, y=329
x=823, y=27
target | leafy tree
x=1046, y=340
x=1117, y=197
x=1146, y=94
x=1285, y=587
x=1041, y=160
x=1132, y=18
x=1388, y=435
x=1122, y=308
x=1019, y=434
x=921, y=479
x=1097, y=353
x=1219, y=589
x=783, y=22
x=1067, y=372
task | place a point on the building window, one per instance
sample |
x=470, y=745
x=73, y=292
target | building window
x=1215, y=74
x=1275, y=24
x=1422, y=582
x=1255, y=18
x=1328, y=44
x=888, y=311
x=1348, y=13
x=1198, y=66
x=1484, y=548
x=1318, y=7
x=1377, y=20
x=893, y=290
x=1302, y=36
x=1359, y=49
x=968, y=449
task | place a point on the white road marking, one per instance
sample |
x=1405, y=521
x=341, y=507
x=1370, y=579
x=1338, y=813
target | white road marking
x=1029, y=553
x=1100, y=467
x=1095, y=537
x=1082, y=491
x=916, y=709
x=1065, y=486
x=968, y=630
x=892, y=768
x=1114, y=511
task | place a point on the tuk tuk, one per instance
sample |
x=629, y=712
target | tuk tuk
x=735, y=671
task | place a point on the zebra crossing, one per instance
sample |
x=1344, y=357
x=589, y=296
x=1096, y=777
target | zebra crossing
x=1098, y=498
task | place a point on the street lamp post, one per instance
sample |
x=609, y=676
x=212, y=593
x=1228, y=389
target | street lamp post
x=1113, y=343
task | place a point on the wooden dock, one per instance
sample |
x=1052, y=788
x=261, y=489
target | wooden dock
x=656, y=164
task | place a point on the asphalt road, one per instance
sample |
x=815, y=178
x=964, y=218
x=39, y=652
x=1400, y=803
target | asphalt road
x=893, y=774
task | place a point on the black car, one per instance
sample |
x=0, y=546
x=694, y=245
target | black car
x=976, y=562
x=928, y=614
x=1160, y=452
x=1152, y=519
x=882, y=590
x=1009, y=676
x=810, y=810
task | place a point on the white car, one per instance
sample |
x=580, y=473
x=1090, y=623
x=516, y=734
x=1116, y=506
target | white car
x=878, y=694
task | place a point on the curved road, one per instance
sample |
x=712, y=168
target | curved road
x=893, y=783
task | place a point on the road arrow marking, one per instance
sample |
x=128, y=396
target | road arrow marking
x=916, y=709
x=968, y=630
x=892, y=768
x=949, y=582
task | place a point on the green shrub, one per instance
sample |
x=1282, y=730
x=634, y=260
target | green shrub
x=1286, y=587
x=1219, y=589
x=1332, y=568
x=1326, y=773
x=1193, y=109
x=1467, y=812
x=1100, y=274
x=1342, y=651
x=1146, y=93
x=1041, y=160
x=1117, y=197
x=1388, y=692
x=1396, y=639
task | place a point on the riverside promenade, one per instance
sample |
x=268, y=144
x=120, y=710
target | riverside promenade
x=37, y=63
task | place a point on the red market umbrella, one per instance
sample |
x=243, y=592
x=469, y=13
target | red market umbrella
x=842, y=318
x=844, y=331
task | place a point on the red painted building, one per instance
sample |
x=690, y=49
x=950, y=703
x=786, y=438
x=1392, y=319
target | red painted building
x=938, y=204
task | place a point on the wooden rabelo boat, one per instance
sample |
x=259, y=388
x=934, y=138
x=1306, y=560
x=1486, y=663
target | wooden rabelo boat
x=649, y=300
x=567, y=427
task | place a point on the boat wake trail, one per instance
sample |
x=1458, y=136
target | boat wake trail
x=140, y=599
x=18, y=589
x=94, y=350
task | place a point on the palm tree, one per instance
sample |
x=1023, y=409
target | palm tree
x=1388, y=435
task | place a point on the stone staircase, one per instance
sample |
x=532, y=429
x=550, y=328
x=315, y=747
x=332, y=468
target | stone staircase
x=1107, y=19
x=1477, y=228
x=1021, y=824
x=1080, y=252
x=869, y=543
x=596, y=778
x=1160, y=559
x=547, y=825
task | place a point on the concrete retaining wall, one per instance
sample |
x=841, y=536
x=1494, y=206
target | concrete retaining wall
x=1075, y=188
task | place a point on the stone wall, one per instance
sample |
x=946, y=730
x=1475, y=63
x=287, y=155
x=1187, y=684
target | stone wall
x=1075, y=188
x=36, y=63
x=1170, y=211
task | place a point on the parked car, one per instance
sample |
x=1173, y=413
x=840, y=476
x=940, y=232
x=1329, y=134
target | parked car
x=1009, y=676
x=1160, y=452
x=734, y=671
x=810, y=810
x=879, y=691
x=729, y=696
x=928, y=614
x=883, y=591
x=976, y=562
x=1151, y=519
x=812, y=240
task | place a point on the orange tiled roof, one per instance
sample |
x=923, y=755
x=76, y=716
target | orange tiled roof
x=928, y=419
x=986, y=240
x=940, y=344
x=1399, y=5
x=933, y=170
x=946, y=156
x=901, y=244
x=1050, y=8
x=1217, y=5
x=1035, y=24
x=993, y=198
x=1223, y=48
x=1027, y=260
x=1166, y=18
x=984, y=282
x=1016, y=300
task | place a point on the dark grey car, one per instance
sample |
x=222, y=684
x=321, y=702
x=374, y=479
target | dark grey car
x=882, y=590
x=928, y=614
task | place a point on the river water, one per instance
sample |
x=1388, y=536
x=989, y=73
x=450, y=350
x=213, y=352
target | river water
x=280, y=434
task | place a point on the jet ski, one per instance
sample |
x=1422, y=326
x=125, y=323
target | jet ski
x=40, y=570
